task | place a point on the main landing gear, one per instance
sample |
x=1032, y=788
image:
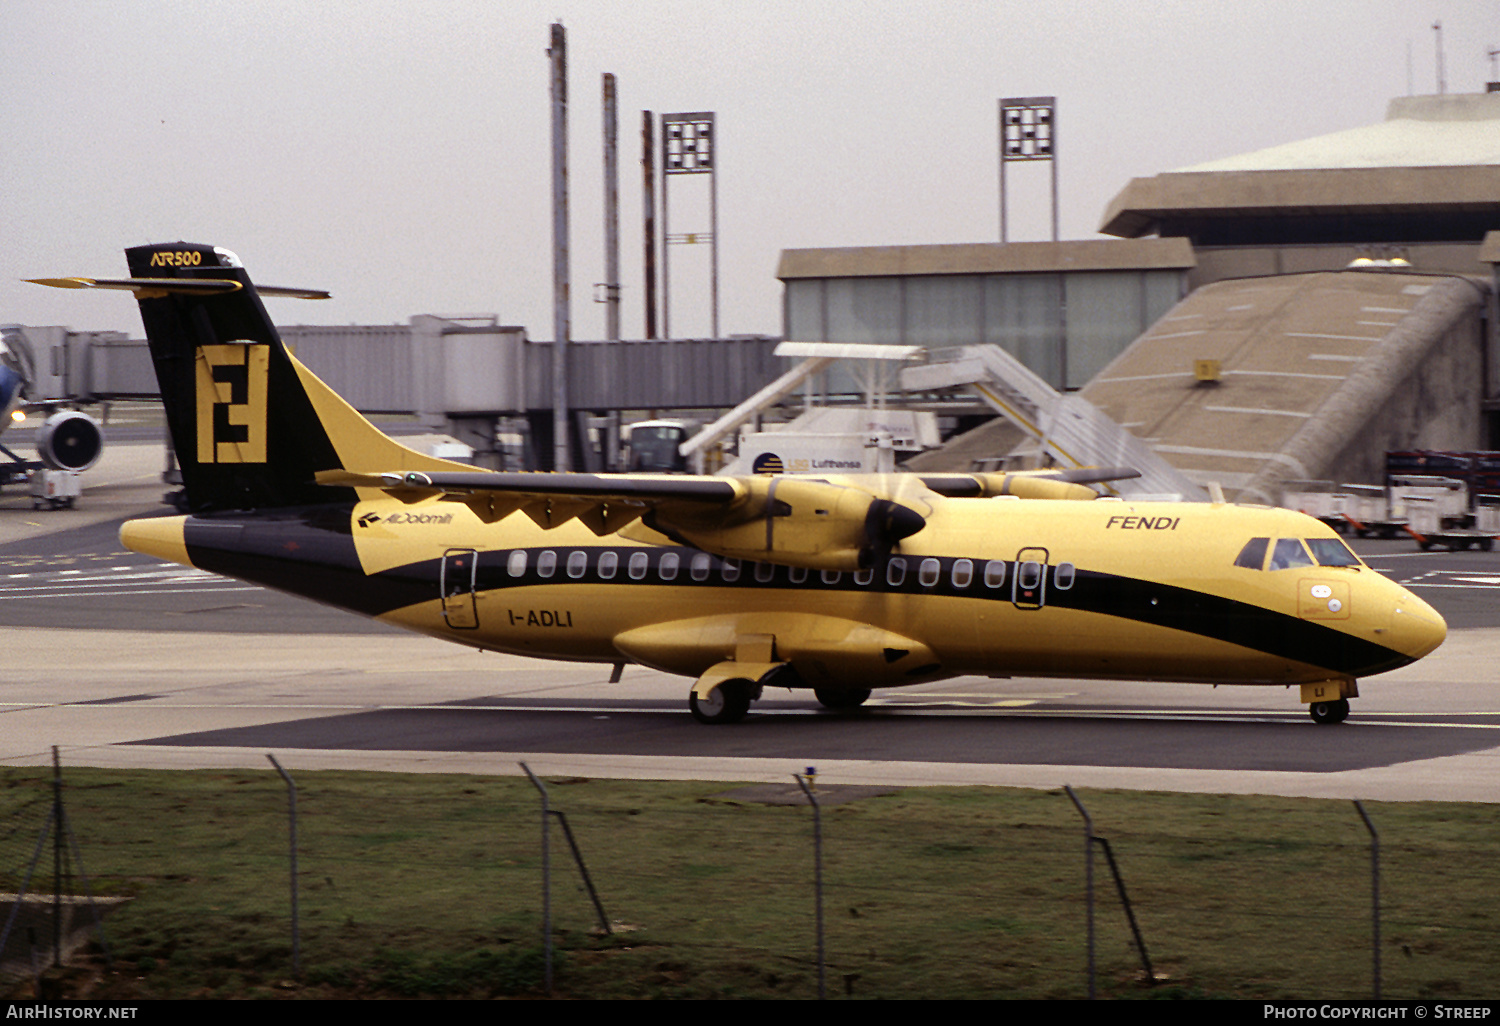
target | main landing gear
x=1330, y=712
x=727, y=703
x=843, y=698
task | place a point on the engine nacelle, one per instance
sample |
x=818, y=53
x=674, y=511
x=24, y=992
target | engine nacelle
x=70, y=440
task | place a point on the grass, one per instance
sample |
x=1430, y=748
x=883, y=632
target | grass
x=427, y=885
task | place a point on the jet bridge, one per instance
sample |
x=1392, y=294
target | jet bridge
x=1067, y=428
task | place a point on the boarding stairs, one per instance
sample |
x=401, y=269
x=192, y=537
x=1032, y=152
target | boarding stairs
x=1067, y=428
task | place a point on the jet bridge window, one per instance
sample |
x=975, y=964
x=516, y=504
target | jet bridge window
x=1253, y=555
x=1332, y=552
x=517, y=563
x=1288, y=553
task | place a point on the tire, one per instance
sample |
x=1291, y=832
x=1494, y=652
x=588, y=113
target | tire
x=727, y=703
x=1329, y=712
x=842, y=699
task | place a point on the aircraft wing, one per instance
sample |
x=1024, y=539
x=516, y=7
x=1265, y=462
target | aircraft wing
x=796, y=521
x=1057, y=483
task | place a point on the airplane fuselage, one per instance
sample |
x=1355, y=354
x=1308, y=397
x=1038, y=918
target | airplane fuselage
x=999, y=587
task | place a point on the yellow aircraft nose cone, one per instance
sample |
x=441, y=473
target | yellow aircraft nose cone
x=1416, y=628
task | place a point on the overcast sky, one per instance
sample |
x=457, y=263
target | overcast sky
x=399, y=153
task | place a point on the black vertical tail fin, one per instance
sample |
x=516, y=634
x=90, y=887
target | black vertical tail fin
x=251, y=426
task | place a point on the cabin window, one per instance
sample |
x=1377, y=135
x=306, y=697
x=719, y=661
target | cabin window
x=1332, y=552
x=930, y=572
x=1029, y=575
x=517, y=563
x=832, y=576
x=578, y=562
x=638, y=564
x=546, y=563
x=1253, y=555
x=667, y=568
x=609, y=562
x=1287, y=554
x=797, y=574
x=994, y=573
x=702, y=563
x=963, y=573
x=864, y=577
x=764, y=572
x=895, y=572
x=730, y=571
x=1063, y=576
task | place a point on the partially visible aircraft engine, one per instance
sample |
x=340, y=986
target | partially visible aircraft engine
x=70, y=440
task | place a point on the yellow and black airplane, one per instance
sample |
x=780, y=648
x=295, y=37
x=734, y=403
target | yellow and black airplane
x=840, y=584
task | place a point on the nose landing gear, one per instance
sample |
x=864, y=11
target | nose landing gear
x=1330, y=712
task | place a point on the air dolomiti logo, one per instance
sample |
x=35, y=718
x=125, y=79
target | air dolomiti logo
x=232, y=402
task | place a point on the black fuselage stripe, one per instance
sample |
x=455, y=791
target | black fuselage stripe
x=301, y=552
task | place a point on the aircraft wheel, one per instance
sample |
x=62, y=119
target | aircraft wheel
x=842, y=699
x=727, y=703
x=1330, y=712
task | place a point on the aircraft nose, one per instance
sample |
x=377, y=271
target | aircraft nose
x=1416, y=628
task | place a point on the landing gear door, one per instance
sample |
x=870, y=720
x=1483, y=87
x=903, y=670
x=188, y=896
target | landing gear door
x=1028, y=587
x=457, y=580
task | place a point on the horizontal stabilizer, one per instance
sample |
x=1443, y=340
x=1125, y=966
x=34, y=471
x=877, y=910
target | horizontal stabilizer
x=152, y=288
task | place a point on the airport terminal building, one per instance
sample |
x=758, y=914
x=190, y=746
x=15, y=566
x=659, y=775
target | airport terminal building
x=1288, y=313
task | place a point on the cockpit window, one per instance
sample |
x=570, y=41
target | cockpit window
x=1287, y=554
x=1332, y=552
x=1253, y=555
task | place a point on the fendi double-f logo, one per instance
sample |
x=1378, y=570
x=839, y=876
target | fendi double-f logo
x=231, y=392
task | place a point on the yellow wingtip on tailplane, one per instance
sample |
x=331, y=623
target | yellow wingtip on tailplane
x=161, y=537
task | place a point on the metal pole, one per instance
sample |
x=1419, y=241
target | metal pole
x=805, y=782
x=666, y=242
x=611, y=212
x=291, y=797
x=648, y=212
x=1088, y=862
x=546, y=883
x=1053, y=162
x=713, y=207
x=57, y=850
x=561, y=327
x=1002, y=170
x=1374, y=893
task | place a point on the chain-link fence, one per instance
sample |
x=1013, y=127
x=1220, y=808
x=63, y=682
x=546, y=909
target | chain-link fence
x=433, y=886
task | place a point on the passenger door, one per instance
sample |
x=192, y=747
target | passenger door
x=457, y=580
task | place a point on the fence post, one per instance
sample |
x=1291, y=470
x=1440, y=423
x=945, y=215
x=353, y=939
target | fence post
x=1374, y=892
x=291, y=792
x=546, y=886
x=806, y=783
x=1088, y=876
